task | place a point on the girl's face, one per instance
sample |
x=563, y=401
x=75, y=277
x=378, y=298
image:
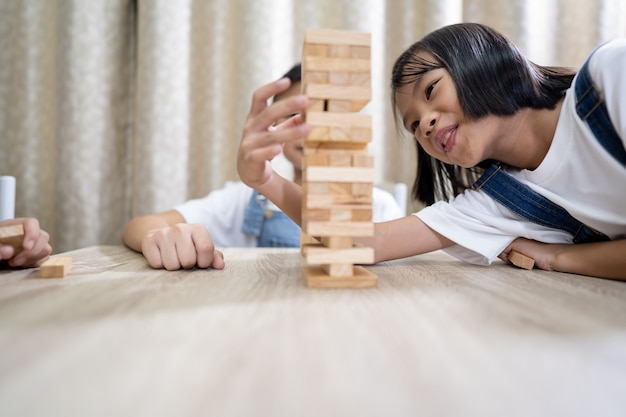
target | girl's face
x=431, y=112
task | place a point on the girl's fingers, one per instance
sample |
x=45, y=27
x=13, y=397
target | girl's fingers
x=271, y=138
x=262, y=94
x=279, y=110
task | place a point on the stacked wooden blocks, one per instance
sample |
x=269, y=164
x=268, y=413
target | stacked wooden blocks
x=338, y=172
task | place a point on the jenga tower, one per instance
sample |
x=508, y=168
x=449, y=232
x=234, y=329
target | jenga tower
x=338, y=173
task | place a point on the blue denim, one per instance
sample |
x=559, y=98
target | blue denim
x=273, y=228
x=534, y=207
x=590, y=108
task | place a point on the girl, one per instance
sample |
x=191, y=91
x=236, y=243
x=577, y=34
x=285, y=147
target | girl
x=475, y=104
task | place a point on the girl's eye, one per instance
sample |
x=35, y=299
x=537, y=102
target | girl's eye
x=429, y=89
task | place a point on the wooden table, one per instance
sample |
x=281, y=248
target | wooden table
x=436, y=338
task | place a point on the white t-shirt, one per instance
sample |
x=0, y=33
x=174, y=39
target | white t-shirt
x=577, y=173
x=222, y=213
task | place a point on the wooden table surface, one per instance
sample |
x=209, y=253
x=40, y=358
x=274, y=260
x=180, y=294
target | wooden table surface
x=436, y=338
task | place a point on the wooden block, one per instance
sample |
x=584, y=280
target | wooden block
x=340, y=51
x=313, y=201
x=315, y=188
x=362, y=160
x=323, y=255
x=337, y=37
x=358, y=93
x=361, y=134
x=362, y=189
x=358, y=51
x=55, y=267
x=350, y=65
x=315, y=49
x=361, y=214
x=328, y=228
x=338, y=174
x=343, y=269
x=330, y=145
x=338, y=78
x=337, y=242
x=357, y=105
x=521, y=261
x=317, y=133
x=306, y=240
x=360, y=78
x=339, y=106
x=315, y=277
x=329, y=158
x=338, y=213
x=314, y=106
x=345, y=121
x=341, y=188
x=12, y=235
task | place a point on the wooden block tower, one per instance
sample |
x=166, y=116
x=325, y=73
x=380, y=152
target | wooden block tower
x=338, y=172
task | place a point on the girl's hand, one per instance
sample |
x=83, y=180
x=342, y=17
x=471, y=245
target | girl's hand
x=35, y=248
x=261, y=140
x=597, y=259
x=181, y=246
x=542, y=253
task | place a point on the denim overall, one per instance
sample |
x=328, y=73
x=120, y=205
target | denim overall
x=273, y=228
x=534, y=207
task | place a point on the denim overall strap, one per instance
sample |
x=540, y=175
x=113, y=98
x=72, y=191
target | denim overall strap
x=532, y=206
x=591, y=109
x=272, y=228
x=253, y=215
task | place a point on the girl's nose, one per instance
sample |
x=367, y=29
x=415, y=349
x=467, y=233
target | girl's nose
x=429, y=127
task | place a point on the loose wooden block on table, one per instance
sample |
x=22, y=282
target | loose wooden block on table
x=12, y=235
x=55, y=267
x=521, y=261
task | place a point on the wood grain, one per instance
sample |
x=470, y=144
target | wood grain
x=437, y=337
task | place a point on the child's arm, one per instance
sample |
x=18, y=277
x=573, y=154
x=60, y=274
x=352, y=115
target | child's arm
x=167, y=241
x=601, y=259
x=262, y=141
x=404, y=237
x=34, y=248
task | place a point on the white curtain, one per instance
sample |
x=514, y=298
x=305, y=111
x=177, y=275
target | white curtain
x=111, y=109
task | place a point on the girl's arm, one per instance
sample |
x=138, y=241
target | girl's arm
x=601, y=259
x=404, y=237
x=262, y=141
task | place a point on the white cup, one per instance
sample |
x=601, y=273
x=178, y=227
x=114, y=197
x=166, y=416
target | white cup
x=7, y=197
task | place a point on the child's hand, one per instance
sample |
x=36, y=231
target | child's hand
x=181, y=246
x=35, y=248
x=542, y=253
x=261, y=141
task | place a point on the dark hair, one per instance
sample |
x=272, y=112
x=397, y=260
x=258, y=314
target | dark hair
x=492, y=77
x=294, y=74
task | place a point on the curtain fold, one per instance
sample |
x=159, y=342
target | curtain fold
x=112, y=109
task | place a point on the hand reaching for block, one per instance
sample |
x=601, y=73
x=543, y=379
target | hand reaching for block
x=23, y=244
